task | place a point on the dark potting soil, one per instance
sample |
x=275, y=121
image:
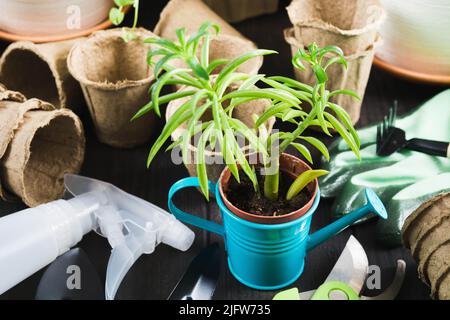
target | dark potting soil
x=243, y=196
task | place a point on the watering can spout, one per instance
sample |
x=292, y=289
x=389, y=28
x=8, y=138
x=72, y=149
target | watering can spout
x=373, y=205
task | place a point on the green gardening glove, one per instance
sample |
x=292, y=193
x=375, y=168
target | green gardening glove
x=388, y=181
x=388, y=175
x=343, y=166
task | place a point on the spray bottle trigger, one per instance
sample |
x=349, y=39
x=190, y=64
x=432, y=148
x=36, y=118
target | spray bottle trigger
x=141, y=239
x=110, y=225
x=142, y=230
x=122, y=258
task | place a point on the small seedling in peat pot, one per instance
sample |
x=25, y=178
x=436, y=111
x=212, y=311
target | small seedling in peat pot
x=117, y=15
x=276, y=184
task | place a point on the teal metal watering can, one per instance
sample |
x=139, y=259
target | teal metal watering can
x=269, y=256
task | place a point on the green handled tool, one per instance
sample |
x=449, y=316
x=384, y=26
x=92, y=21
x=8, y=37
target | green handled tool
x=347, y=279
x=335, y=290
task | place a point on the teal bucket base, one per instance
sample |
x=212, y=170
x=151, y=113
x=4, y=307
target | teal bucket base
x=265, y=288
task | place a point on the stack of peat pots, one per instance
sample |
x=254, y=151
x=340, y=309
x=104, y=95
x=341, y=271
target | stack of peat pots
x=41, y=138
x=426, y=232
x=350, y=24
x=39, y=143
x=47, y=62
x=109, y=74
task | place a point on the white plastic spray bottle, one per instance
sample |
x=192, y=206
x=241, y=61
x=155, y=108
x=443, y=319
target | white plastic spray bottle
x=35, y=237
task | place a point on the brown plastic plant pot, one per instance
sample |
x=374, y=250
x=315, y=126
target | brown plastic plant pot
x=290, y=165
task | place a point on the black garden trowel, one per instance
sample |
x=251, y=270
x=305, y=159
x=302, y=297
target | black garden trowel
x=71, y=277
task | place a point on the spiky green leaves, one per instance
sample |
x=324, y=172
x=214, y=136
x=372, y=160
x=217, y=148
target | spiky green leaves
x=217, y=96
x=302, y=181
x=314, y=56
x=320, y=59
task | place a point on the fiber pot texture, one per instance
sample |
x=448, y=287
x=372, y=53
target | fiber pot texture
x=47, y=63
x=11, y=118
x=230, y=47
x=6, y=94
x=239, y=10
x=355, y=77
x=115, y=79
x=38, y=146
x=426, y=233
x=190, y=14
x=289, y=164
x=243, y=112
x=350, y=24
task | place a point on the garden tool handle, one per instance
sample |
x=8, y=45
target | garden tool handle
x=335, y=290
x=431, y=147
x=188, y=218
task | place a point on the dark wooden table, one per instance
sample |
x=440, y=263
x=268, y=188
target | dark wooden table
x=154, y=276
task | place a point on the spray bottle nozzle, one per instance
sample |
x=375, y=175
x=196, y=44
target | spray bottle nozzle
x=133, y=226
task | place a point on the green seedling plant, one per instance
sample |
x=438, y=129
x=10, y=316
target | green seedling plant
x=220, y=94
x=323, y=113
x=117, y=15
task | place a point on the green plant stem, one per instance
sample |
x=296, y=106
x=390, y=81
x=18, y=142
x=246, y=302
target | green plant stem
x=136, y=13
x=297, y=132
x=271, y=185
x=272, y=182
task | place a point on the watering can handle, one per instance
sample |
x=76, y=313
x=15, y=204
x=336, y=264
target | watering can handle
x=190, y=218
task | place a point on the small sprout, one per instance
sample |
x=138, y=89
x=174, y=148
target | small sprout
x=129, y=36
x=117, y=15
